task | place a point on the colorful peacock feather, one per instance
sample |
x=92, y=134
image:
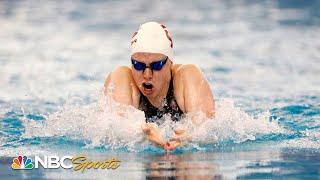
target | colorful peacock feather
x=22, y=162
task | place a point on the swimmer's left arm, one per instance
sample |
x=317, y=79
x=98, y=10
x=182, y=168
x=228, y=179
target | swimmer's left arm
x=197, y=94
x=197, y=98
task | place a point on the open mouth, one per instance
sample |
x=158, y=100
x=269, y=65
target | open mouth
x=147, y=85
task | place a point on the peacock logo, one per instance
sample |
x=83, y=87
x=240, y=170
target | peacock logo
x=22, y=162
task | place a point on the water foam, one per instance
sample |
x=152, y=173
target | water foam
x=91, y=123
x=112, y=125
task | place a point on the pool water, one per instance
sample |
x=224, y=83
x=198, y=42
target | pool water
x=261, y=58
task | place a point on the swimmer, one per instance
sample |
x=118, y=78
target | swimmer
x=157, y=86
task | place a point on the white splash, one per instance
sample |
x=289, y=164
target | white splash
x=109, y=124
x=91, y=123
x=232, y=123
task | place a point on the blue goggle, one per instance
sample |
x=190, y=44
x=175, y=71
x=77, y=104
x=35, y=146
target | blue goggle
x=157, y=65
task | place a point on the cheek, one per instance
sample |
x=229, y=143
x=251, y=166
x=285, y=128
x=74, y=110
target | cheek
x=161, y=79
x=136, y=76
x=157, y=77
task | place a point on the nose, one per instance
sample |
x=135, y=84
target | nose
x=147, y=74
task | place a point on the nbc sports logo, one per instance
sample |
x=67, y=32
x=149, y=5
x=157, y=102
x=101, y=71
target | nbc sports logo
x=22, y=162
x=54, y=162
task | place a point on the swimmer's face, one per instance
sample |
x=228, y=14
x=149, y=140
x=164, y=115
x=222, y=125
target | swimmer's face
x=151, y=83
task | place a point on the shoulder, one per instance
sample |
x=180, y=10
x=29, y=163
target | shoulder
x=119, y=74
x=193, y=90
x=187, y=73
x=124, y=89
x=184, y=78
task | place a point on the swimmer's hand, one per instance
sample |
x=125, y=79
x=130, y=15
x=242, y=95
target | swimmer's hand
x=153, y=135
x=179, y=137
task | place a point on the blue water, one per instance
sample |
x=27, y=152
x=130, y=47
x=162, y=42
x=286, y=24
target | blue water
x=261, y=58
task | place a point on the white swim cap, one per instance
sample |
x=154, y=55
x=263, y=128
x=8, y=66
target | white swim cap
x=152, y=37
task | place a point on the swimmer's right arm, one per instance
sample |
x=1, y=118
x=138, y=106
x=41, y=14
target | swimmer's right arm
x=118, y=85
x=124, y=92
